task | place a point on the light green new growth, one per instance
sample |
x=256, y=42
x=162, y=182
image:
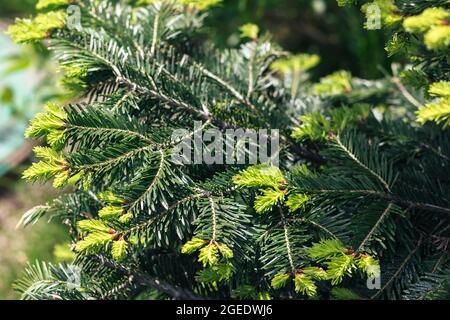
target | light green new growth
x=260, y=176
x=440, y=89
x=268, y=199
x=296, y=63
x=119, y=250
x=438, y=112
x=45, y=4
x=193, y=245
x=314, y=126
x=297, y=201
x=52, y=165
x=426, y=20
x=50, y=123
x=326, y=249
x=249, y=30
x=29, y=30
x=280, y=281
x=110, y=212
x=336, y=83
x=93, y=226
x=305, y=285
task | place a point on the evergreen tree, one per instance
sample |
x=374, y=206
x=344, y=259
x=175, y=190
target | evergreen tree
x=361, y=191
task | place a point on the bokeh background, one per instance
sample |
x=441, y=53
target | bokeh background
x=28, y=78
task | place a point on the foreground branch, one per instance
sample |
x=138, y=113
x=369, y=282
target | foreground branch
x=146, y=280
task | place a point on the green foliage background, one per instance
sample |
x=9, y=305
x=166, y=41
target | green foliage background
x=362, y=181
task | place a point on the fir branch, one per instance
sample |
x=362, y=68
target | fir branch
x=408, y=96
x=115, y=130
x=399, y=269
x=214, y=219
x=286, y=239
x=374, y=228
x=133, y=206
x=359, y=163
x=146, y=280
x=113, y=161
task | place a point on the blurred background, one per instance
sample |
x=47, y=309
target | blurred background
x=28, y=79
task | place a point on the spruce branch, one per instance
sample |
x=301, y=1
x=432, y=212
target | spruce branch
x=146, y=280
x=399, y=269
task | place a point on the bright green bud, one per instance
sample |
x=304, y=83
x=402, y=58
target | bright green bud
x=438, y=38
x=119, y=250
x=249, y=30
x=192, y=245
x=428, y=18
x=29, y=30
x=45, y=4
x=280, y=281
x=305, y=285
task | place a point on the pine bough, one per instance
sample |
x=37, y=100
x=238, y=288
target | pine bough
x=362, y=190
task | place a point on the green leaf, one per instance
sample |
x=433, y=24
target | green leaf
x=438, y=38
x=344, y=3
x=424, y=21
x=263, y=296
x=314, y=127
x=110, y=198
x=48, y=154
x=62, y=252
x=334, y=84
x=218, y=273
x=42, y=170
x=126, y=218
x=201, y=4
x=440, y=89
x=54, y=165
x=61, y=180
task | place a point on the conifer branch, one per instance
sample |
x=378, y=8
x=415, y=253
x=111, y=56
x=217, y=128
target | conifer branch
x=146, y=280
x=374, y=228
x=134, y=206
x=214, y=219
x=399, y=269
x=286, y=239
x=359, y=163
x=408, y=96
x=114, y=130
